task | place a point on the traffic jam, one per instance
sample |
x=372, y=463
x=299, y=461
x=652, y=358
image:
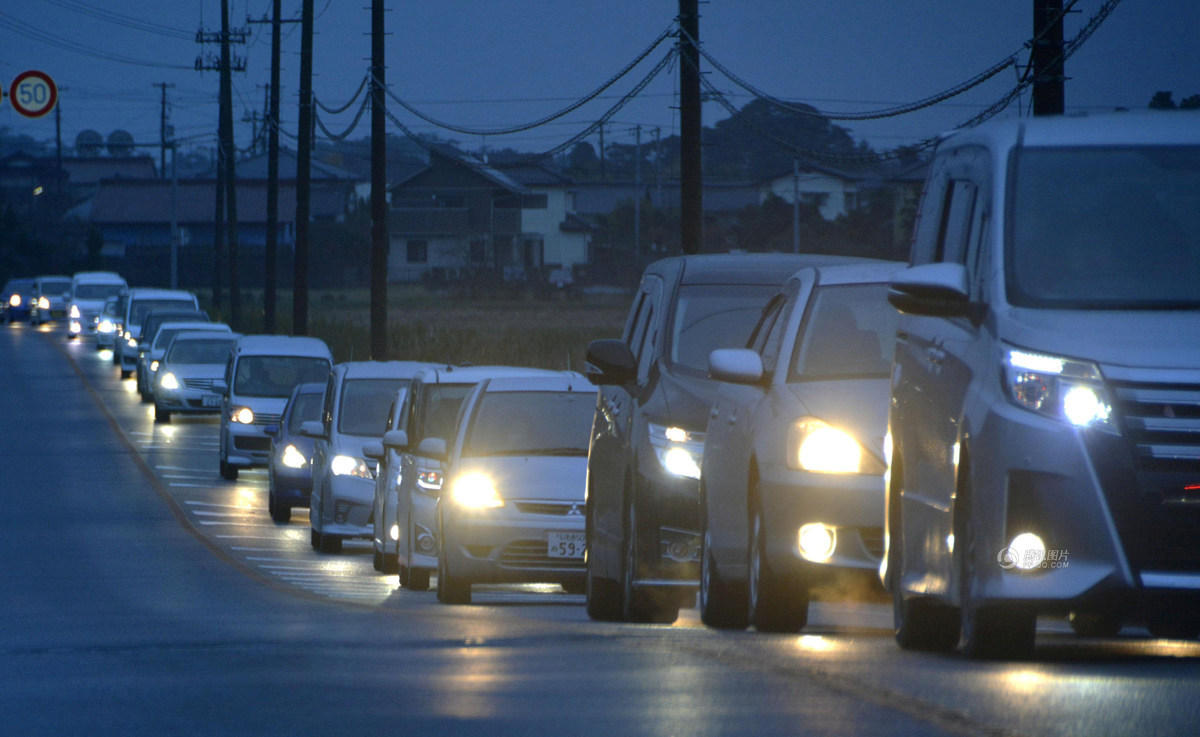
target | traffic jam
x=992, y=433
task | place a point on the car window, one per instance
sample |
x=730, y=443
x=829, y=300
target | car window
x=139, y=308
x=850, y=331
x=363, y=408
x=306, y=407
x=770, y=313
x=440, y=409
x=957, y=216
x=531, y=423
x=214, y=351
x=96, y=291
x=635, y=323
x=711, y=316
x=276, y=376
x=55, y=288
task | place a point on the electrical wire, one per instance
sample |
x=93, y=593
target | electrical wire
x=22, y=28
x=353, y=124
x=334, y=111
x=127, y=21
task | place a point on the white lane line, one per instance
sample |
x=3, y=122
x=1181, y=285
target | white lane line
x=198, y=476
x=239, y=515
x=248, y=549
x=243, y=507
x=233, y=522
x=177, y=485
x=257, y=537
x=184, y=468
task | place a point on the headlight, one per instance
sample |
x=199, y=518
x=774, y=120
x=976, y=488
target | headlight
x=244, y=415
x=128, y=335
x=170, y=382
x=106, y=326
x=131, y=343
x=15, y=300
x=678, y=450
x=75, y=327
x=293, y=458
x=75, y=312
x=475, y=491
x=816, y=446
x=429, y=480
x=154, y=365
x=1062, y=388
x=43, y=303
x=343, y=465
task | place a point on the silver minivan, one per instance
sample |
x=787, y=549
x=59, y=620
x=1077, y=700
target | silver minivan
x=1044, y=419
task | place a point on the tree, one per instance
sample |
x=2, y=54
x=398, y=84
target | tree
x=1162, y=100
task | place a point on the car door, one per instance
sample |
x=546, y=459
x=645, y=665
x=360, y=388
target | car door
x=407, y=464
x=322, y=452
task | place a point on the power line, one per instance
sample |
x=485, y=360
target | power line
x=127, y=21
x=22, y=28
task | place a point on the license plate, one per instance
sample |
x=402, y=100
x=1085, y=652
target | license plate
x=566, y=544
x=211, y=400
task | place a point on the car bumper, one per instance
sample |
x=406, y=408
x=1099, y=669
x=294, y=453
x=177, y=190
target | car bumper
x=185, y=400
x=505, y=546
x=247, y=445
x=347, y=510
x=668, y=509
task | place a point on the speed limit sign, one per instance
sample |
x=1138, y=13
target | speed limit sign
x=33, y=93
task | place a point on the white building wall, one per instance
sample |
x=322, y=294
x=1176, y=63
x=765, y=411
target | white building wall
x=832, y=189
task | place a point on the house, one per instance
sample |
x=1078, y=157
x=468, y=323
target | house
x=834, y=193
x=549, y=212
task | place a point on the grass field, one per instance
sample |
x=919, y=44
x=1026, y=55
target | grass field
x=428, y=326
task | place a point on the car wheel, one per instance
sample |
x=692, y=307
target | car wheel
x=642, y=604
x=161, y=416
x=314, y=539
x=723, y=604
x=126, y=373
x=603, y=594
x=280, y=513
x=776, y=602
x=1094, y=624
x=330, y=544
x=995, y=631
x=575, y=588
x=228, y=472
x=416, y=579
x=451, y=589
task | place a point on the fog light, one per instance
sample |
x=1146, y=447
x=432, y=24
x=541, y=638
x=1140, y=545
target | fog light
x=425, y=542
x=75, y=327
x=817, y=542
x=394, y=533
x=1026, y=551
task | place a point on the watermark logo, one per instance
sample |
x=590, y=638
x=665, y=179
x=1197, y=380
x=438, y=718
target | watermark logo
x=1032, y=558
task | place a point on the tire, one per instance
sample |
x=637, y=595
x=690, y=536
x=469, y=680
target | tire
x=280, y=513
x=642, y=604
x=416, y=579
x=329, y=544
x=776, y=602
x=228, y=472
x=314, y=539
x=451, y=589
x=603, y=594
x=575, y=588
x=723, y=604
x=162, y=416
x=991, y=632
x=126, y=373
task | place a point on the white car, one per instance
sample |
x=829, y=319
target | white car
x=512, y=510
x=343, y=479
x=260, y=373
x=108, y=325
x=90, y=290
x=191, y=364
x=50, y=297
x=141, y=302
x=154, y=348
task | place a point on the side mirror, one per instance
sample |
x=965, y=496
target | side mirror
x=432, y=448
x=735, y=365
x=396, y=440
x=933, y=290
x=373, y=450
x=312, y=429
x=610, y=362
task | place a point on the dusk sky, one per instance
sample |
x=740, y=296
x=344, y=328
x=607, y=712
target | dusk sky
x=482, y=64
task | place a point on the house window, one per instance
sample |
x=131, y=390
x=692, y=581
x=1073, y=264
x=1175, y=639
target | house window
x=418, y=252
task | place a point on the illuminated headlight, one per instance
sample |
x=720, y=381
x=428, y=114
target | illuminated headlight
x=43, y=303
x=816, y=446
x=243, y=415
x=74, y=313
x=128, y=335
x=343, y=465
x=154, y=365
x=428, y=480
x=1026, y=552
x=679, y=451
x=475, y=491
x=131, y=342
x=106, y=327
x=170, y=382
x=75, y=327
x=15, y=300
x=1062, y=388
x=293, y=458
x=817, y=542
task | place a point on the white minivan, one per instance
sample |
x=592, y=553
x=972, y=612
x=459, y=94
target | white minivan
x=140, y=303
x=89, y=291
x=259, y=377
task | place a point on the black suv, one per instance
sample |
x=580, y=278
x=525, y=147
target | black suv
x=643, y=512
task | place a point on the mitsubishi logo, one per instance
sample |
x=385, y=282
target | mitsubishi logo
x=574, y=511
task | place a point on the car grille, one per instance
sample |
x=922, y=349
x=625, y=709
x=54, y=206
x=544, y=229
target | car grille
x=198, y=383
x=1158, y=511
x=251, y=442
x=532, y=554
x=262, y=418
x=557, y=509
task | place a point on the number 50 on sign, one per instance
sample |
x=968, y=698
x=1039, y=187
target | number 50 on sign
x=33, y=93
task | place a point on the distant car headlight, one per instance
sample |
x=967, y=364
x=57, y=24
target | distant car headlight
x=154, y=365
x=475, y=491
x=293, y=458
x=243, y=415
x=75, y=313
x=43, y=303
x=106, y=327
x=344, y=465
x=815, y=446
x=429, y=480
x=15, y=300
x=75, y=327
x=128, y=335
x=1062, y=388
x=679, y=451
x=170, y=382
x=131, y=342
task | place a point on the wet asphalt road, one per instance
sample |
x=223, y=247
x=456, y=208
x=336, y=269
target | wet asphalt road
x=142, y=594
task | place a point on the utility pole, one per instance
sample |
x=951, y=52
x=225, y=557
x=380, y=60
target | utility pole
x=691, y=202
x=795, y=205
x=379, y=228
x=637, y=195
x=1047, y=58
x=162, y=129
x=603, y=175
x=227, y=145
x=303, y=170
x=271, y=254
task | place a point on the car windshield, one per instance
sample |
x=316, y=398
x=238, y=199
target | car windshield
x=139, y=308
x=96, y=291
x=163, y=337
x=714, y=316
x=531, y=423
x=1105, y=228
x=18, y=286
x=307, y=406
x=276, y=376
x=850, y=331
x=441, y=409
x=365, y=405
x=206, y=351
x=55, y=288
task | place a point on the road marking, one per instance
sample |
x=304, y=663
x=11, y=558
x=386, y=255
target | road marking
x=198, y=503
